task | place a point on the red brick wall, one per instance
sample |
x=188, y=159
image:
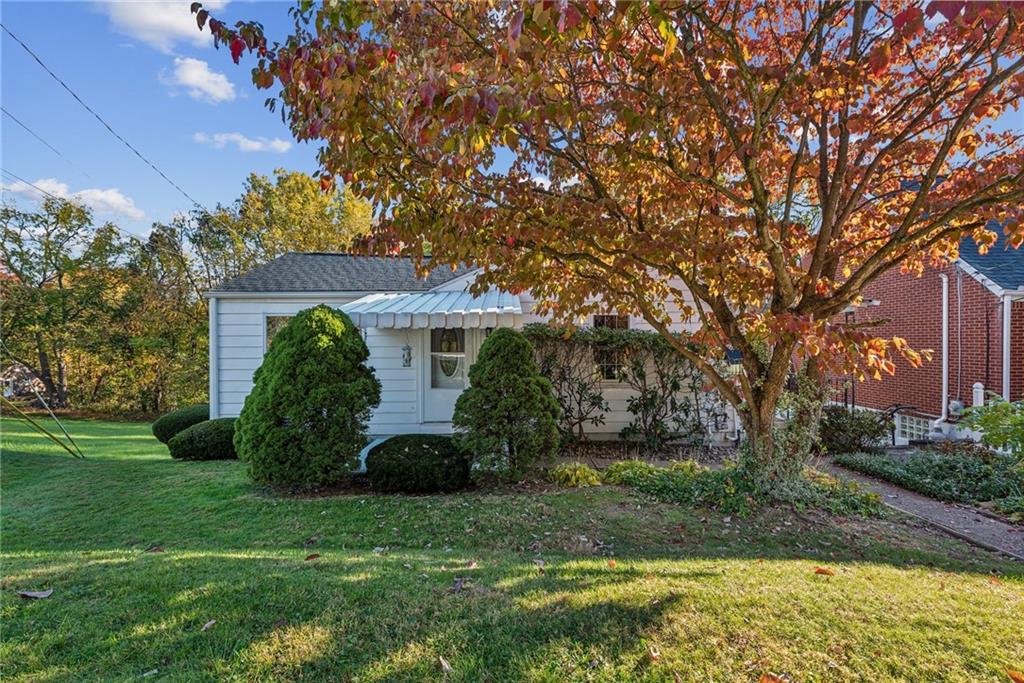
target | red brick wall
x=912, y=307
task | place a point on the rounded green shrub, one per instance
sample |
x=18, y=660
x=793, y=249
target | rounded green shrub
x=209, y=440
x=573, y=475
x=507, y=418
x=165, y=427
x=417, y=463
x=304, y=423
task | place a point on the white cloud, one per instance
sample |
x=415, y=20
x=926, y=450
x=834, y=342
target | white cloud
x=243, y=143
x=199, y=80
x=110, y=201
x=159, y=24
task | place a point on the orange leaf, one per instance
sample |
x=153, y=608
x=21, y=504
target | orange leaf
x=612, y=563
x=312, y=557
x=770, y=678
x=1015, y=676
x=994, y=581
x=824, y=571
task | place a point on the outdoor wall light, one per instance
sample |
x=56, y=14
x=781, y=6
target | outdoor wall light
x=406, y=356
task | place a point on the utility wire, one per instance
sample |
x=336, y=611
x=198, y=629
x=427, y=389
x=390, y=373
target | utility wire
x=127, y=144
x=98, y=117
x=39, y=137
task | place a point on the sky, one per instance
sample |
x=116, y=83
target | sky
x=149, y=72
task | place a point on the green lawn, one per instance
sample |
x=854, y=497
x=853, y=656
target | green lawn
x=691, y=595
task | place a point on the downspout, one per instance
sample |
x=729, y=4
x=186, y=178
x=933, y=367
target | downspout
x=945, y=351
x=1007, y=304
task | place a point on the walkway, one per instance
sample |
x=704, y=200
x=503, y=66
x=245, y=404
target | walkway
x=958, y=520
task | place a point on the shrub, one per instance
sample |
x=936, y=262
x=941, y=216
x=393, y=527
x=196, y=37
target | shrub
x=175, y=421
x=1001, y=424
x=825, y=492
x=507, y=418
x=1012, y=507
x=954, y=478
x=304, y=423
x=417, y=463
x=572, y=475
x=853, y=431
x=209, y=440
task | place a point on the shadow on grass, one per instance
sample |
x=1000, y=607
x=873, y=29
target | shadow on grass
x=390, y=617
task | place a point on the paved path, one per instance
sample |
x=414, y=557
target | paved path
x=957, y=520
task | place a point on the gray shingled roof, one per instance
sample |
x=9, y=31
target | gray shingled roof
x=322, y=272
x=1003, y=264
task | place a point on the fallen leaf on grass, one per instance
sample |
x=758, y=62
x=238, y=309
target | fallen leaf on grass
x=280, y=622
x=1015, y=676
x=654, y=653
x=311, y=541
x=155, y=549
x=312, y=556
x=825, y=571
x=207, y=625
x=472, y=564
x=36, y=595
x=459, y=584
x=612, y=563
x=994, y=581
x=151, y=672
x=446, y=668
x=771, y=678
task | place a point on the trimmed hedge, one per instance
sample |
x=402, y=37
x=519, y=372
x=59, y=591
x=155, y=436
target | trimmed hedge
x=165, y=427
x=209, y=440
x=417, y=463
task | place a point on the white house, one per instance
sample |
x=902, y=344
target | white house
x=423, y=334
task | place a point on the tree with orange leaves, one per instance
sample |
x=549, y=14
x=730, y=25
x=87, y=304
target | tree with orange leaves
x=753, y=163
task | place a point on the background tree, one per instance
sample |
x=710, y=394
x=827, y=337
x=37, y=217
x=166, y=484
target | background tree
x=54, y=287
x=654, y=151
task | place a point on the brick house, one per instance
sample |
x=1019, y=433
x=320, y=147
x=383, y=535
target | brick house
x=971, y=314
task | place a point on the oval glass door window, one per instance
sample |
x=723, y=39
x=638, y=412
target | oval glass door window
x=447, y=358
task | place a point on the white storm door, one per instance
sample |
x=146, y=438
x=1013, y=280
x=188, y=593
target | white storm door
x=446, y=369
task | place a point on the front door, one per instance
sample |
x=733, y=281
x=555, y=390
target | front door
x=446, y=368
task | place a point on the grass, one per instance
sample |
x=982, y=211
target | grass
x=691, y=594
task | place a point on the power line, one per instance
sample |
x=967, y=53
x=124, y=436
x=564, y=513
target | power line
x=39, y=137
x=98, y=117
x=127, y=144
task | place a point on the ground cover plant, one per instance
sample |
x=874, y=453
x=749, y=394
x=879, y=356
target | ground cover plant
x=595, y=584
x=967, y=476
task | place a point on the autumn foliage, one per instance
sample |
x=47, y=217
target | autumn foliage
x=754, y=164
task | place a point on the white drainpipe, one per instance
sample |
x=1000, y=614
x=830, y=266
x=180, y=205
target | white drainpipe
x=945, y=350
x=1007, y=306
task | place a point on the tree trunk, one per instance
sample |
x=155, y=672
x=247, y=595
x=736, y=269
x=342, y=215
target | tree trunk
x=54, y=396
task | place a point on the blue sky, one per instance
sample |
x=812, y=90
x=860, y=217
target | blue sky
x=146, y=69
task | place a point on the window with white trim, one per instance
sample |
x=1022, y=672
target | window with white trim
x=609, y=362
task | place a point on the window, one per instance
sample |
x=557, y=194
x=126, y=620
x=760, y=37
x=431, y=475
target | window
x=609, y=362
x=274, y=325
x=913, y=428
x=448, y=358
x=616, y=322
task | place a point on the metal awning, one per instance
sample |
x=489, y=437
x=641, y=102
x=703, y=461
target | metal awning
x=418, y=310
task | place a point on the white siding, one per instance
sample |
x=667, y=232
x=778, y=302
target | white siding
x=239, y=325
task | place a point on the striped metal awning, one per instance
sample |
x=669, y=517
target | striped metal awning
x=419, y=310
